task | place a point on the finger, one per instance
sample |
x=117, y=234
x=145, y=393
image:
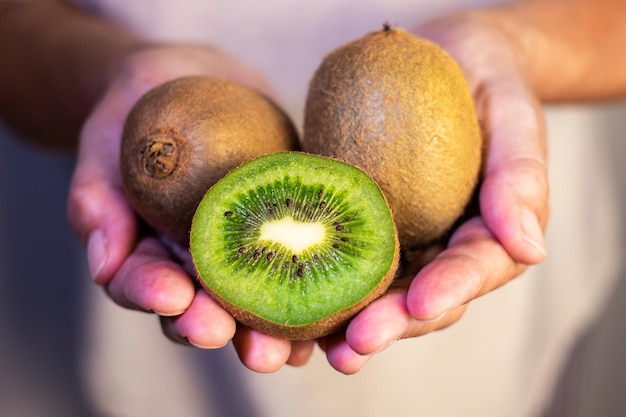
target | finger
x=98, y=209
x=473, y=264
x=341, y=356
x=149, y=280
x=102, y=218
x=204, y=324
x=387, y=320
x=514, y=191
x=260, y=352
x=301, y=352
x=513, y=198
x=99, y=213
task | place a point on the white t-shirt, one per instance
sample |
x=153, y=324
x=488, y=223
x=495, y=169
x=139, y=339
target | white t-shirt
x=501, y=359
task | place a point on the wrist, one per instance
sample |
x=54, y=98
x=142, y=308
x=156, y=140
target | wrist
x=568, y=46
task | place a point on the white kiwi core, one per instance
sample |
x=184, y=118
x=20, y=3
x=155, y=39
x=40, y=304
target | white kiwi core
x=293, y=235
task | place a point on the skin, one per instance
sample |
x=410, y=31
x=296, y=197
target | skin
x=509, y=55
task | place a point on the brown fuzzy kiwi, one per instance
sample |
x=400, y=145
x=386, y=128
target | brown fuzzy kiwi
x=184, y=135
x=399, y=107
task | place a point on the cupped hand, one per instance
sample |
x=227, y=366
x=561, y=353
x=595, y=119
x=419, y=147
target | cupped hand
x=138, y=269
x=495, y=246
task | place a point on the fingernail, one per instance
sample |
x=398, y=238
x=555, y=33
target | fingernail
x=533, y=235
x=97, y=254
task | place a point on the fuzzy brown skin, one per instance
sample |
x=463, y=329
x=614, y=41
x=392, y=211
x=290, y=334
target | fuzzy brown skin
x=399, y=108
x=184, y=135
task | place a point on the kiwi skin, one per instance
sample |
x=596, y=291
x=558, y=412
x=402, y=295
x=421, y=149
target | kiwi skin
x=399, y=107
x=183, y=135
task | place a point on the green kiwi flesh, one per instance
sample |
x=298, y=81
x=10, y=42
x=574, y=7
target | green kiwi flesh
x=293, y=244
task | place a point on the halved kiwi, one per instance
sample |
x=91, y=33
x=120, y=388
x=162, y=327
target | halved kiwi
x=293, y=244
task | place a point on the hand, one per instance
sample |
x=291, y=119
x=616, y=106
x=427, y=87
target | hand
x=487, y=250
x=137, y=269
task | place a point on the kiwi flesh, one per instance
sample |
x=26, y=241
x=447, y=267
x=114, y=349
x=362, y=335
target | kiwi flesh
x=293, y=244
x=399, y=107
x=183, y=135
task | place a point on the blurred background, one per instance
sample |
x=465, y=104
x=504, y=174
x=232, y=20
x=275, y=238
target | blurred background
x=45, y=294
x=598, y=358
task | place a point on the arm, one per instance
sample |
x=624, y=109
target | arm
x=56, y=62
x=569, y=50
x=514, y=57
x=580, y=40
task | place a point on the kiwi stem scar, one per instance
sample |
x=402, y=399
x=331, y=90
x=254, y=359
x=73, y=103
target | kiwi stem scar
x=293, y=235
x=159, y=156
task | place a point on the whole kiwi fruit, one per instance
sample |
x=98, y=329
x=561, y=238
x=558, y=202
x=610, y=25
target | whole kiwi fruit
x=185, y=134
x=293, y=244
x=399, y=107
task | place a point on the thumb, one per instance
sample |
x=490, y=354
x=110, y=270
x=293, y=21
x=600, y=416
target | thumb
x=514, y=192
x=97, y=208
